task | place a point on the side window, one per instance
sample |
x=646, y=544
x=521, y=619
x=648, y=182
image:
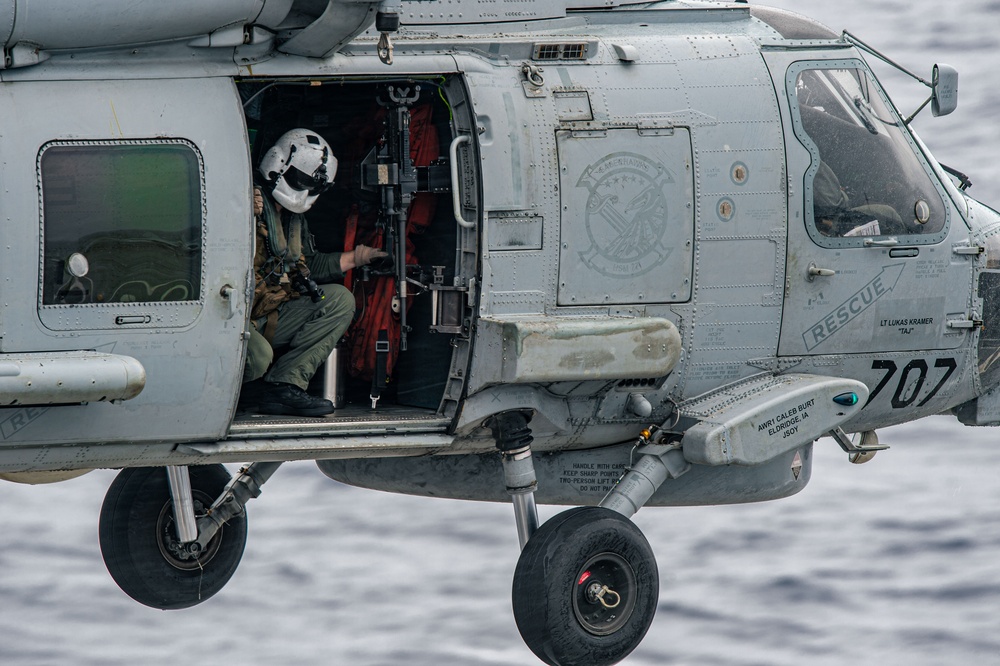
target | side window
x=121, y=224
x=867, y=176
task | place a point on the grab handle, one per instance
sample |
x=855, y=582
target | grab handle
x=888, y=242
x=455, y=193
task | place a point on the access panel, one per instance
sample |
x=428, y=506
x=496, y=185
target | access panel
x=627, y=230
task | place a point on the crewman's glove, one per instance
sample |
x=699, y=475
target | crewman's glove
x=363, y=255
x=258, y=202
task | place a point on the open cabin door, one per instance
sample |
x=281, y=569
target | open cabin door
x=395, y=142
x=126, y=246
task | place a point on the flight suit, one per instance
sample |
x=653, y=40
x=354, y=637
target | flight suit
x=305, y=332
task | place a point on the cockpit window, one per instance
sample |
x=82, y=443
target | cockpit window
x=122, y=223
x=867, y=177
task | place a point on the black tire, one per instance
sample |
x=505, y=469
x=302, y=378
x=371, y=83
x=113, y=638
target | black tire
x=558, y=581
x=137, y=533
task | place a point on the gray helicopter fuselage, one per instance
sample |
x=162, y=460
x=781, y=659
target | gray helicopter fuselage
x=631, y=225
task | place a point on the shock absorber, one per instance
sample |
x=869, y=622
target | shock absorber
x=513, y=438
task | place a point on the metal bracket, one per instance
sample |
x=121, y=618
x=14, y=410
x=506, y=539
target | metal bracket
x=384, y=48
x=22, y=54
x=971, y=323
x=864, y=450
x=533, y=74
x=232, y=502
x=403, y=98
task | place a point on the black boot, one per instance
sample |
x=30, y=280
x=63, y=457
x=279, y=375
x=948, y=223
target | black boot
x=250, y=395
x=290, y=400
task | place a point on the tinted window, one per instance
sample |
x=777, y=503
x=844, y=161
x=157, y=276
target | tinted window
x=121, y=222
x=866, y=178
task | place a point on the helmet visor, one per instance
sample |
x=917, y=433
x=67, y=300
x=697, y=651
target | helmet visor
x=314, y=183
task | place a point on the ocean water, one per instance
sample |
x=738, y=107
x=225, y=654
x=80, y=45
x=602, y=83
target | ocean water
x=892, y=562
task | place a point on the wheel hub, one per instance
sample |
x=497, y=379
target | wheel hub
x=602, y=594
x=184, y=556
x=605, y=594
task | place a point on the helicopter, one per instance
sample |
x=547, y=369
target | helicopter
x=661, y=249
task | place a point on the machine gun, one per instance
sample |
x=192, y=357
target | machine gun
x=389, y=171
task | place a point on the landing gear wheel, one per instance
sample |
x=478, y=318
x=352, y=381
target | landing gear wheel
x=139, y=539
x=585, y=588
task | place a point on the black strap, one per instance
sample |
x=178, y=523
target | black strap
x=379, y=378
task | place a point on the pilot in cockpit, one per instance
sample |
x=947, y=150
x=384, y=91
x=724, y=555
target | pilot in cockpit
x=861, y=184
x=296, y=322
x=835, y=216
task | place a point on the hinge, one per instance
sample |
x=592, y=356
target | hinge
x=972, y=323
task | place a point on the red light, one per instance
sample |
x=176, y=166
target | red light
x=583, y=578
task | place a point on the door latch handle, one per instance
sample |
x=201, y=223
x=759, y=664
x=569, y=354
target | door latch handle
x=815, y=271
x=885, y=242
x=228, y=294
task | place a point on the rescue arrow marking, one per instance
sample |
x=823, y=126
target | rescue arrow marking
x=847, y=311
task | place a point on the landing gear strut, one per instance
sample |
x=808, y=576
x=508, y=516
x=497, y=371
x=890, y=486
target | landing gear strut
x=586, y=585
x=513, y=437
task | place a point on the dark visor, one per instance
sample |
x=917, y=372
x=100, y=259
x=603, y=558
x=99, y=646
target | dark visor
x=315, y=183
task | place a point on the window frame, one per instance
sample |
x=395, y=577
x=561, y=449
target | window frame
x=873, y=88
x=149, y=314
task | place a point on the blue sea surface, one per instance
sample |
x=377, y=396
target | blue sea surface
x=892, y=562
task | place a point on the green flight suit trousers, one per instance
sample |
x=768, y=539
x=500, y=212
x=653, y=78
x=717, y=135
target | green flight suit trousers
x=306, y=334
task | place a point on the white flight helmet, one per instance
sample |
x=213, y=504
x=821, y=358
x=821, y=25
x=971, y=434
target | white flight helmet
x=300, y=166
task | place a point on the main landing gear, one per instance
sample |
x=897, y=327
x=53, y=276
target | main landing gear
x=166, y=540
x=585, y=588
x=586, y=585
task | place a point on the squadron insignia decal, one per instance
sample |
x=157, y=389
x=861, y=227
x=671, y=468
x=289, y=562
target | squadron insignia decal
x=626, y=214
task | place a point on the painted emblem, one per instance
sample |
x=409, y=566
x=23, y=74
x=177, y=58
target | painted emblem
x=626, y=214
